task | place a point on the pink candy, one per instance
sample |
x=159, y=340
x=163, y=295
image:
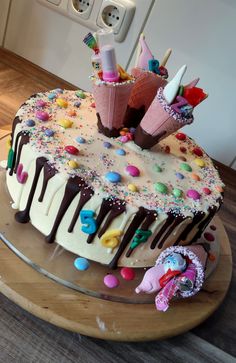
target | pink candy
x=193, y=194
x=132, y=170
x=42, y=115
x=41, y=103
x=111, y=281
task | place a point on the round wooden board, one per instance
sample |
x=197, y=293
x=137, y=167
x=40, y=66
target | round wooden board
x=99, y=318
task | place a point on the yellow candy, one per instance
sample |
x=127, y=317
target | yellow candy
x=123, y=74
x=110, y=238
x=61, y=102
x=65, y=123
x=73, y=164
x=8, y=143
x=201, y=163
x=132, y=188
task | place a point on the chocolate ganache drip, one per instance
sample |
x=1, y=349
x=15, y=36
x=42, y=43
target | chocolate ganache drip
x=24, y=139
x=48, y=172
x=16, y=121
x=211, y=212
x=23, y=216
x=137, y=220
x=73, y=187
x=115, y=207
x=197, y=218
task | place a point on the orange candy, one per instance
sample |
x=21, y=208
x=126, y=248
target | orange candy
x=219, y=188
x=71, y=113
x=211, y=257
x=195, y=177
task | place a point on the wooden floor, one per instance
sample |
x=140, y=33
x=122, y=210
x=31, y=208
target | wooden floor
x=24, y=338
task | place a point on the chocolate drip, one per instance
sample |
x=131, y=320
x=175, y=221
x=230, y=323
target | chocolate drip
x=137, y=220
x=116, y=210
x=85, y=194
x=14, y=124
x=15, y=152
x=178, y=219
x=73, y=187
x=23, y=141
x=104, y=210
x=146, y=141
x=198, y=216
x=105, y=130
x=48, y=173
x=212, y=211
x=168, y=222
x=23, y=216
x=150, y=218
x=134, y=116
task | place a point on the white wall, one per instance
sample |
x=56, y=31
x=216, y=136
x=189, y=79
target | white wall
x=55, y=42
x=3, y=18
x=202, y=35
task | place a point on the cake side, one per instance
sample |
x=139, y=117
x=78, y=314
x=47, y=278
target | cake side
x=69, y=196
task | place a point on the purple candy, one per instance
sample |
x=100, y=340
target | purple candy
x=132, y=170
x=42, y=115
x=107, y=144
x=124, y=138
x=132, y=130
x=179, y=175
x=49, y=132
x=111, y=281
x=40, y=103
x=30, y=123
x=193, y=194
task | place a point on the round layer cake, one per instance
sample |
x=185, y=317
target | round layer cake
x=102, y=198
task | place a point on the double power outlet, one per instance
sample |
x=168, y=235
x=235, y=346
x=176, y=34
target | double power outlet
x=96, y=14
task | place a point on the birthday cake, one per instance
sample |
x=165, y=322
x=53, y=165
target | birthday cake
x=109, y=176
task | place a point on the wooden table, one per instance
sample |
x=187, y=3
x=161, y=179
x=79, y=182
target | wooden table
x=24, y=338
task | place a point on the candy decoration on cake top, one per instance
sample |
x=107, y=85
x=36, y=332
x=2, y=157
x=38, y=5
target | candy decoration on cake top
x=169, y=111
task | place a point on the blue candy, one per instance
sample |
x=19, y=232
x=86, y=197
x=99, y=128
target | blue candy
x=179, y=175
x=49, y=132
x=113, y=177
x=107, y=144
x=80, y=140
x=77, y=104
x=81, y=263
x=120, y=152
x=51, y=96
x=30, y=122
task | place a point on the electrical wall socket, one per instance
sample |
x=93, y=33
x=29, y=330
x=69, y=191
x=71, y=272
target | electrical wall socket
x=118, y=15
x=115, y=14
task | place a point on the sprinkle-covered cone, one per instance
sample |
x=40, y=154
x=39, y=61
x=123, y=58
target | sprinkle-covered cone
x=159, y=122
x=111, y=101
x=145, y=88
x=198, y=256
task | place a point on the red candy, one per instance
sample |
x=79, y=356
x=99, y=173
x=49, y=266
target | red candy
x=72, y=150
x=194, y=95
x=212, y=227
x=197, y=151
x=127, y=273
x=209, y=237
x=180, y=136
x=206, y=191
x=183, y=149
x=93, y=105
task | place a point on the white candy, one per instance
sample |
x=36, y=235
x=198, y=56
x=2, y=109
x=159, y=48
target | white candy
x=171, y=89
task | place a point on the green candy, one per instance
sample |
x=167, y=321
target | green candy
x=80, y=94
x=141, y=236
x=161, y=188
x=177, y=192
x=158, y=168
x=10, y=158
x=181, y=90
x=185, y=167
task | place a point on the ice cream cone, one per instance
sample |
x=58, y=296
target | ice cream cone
x=159, y=122
x=111, y=101
x=198, y=257
x=145, y=88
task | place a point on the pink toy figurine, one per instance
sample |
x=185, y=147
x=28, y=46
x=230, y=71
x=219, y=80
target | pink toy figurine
x=150, y=282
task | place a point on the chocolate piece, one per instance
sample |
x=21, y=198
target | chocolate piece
x=48, y=172
x=144, y=140
x=133, y=116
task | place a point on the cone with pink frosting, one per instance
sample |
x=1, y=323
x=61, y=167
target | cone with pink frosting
x=111, y=100
x=146, y=86
x=163, y=116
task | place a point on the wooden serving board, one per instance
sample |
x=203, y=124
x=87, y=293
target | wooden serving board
x=105, y=319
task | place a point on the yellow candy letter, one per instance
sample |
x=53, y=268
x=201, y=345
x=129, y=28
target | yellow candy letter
x=110, y=238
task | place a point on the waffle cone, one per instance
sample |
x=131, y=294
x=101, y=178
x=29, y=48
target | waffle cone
x=159, y=121
x=111, y=102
